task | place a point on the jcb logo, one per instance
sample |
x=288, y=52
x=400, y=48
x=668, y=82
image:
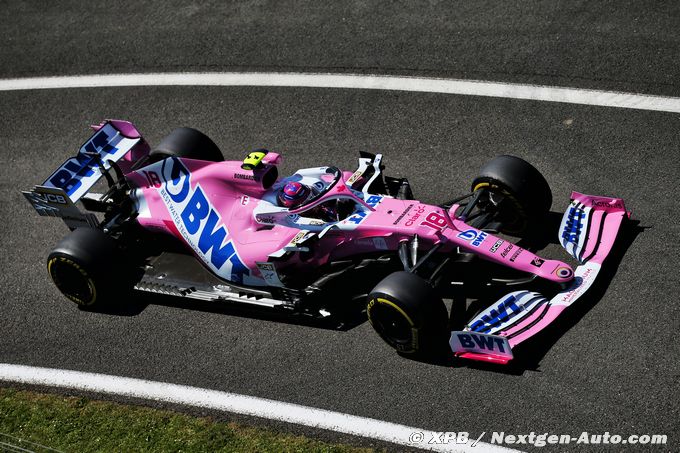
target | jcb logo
x=48, y=198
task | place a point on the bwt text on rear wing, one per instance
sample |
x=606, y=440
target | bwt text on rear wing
x=115, y=144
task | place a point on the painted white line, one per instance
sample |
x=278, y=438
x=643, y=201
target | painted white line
x=234, y=403
x=356, y=81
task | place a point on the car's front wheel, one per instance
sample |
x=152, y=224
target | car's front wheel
x=408, y=314
x=515, y=190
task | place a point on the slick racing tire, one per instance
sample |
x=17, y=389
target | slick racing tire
x=526, y=193
x=189, y=143
x=408, y=314
x=86, y=267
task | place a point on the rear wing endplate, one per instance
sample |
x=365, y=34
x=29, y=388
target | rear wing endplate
x=57, y=195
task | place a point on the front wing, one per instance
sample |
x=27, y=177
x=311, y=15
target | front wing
x=588, y=231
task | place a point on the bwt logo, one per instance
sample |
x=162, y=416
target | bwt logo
x=470, y=340
x=496, y=316
x=82, y=165
x=199, y=223
x=474, y=237
x=572, y=228
x=359, y=217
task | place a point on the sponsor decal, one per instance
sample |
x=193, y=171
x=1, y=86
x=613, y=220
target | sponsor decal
x=538, y=262
x=269, y=220
x=355, y=176
x=374, y=242
x=606, y=204
x=572, y=227
x=474, y=237
x=481, y=343
x=106, y=144
x=380, y=243
x=468, y=235
x=245, y=199
x=415, y=216
x=494, y=317
x=403, y=214
x=506, y=250
x=579, y=285
x=496, y=245
x=49, y=198
x=198, y=222
x=517, y=253
x=298, y=238
x=269, y=274
x=246, y=177
x=44, y=209
x=359, y=217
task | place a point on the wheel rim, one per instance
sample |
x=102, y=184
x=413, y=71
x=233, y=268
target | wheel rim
x=516, y=217
x=392, y=324
x=72, y=280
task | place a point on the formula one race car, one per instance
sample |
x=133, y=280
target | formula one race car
x=302, y=242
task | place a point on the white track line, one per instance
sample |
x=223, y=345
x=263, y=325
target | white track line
x=231, y=402
x=355, y=81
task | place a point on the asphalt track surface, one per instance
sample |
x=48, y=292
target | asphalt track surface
x=613, y=366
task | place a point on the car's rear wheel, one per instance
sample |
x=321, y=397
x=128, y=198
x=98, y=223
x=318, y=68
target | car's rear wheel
x=408, y=314
x=87, y=267
x=188, y=143
x=516, y=190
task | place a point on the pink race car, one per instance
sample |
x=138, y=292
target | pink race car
x=301, y=242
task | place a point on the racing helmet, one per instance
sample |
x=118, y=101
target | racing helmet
x=293, y=194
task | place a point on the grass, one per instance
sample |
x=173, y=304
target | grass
x=72, y=424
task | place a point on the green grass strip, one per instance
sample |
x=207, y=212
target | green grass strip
x=30, y=420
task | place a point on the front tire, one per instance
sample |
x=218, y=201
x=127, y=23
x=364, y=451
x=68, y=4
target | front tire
x=408, y=314
x=525, y=194
x=87, y=268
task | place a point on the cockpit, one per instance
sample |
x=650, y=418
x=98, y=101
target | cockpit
x=313, y=197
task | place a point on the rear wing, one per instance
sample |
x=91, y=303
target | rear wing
x=588, y=231
x=115, y=143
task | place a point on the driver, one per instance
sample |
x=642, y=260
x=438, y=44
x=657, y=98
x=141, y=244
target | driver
x=294, y=194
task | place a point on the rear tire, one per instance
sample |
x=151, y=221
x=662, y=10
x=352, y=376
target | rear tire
x=189, y=143
x=87, y=267
x=408, y=314
x=526, y=193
